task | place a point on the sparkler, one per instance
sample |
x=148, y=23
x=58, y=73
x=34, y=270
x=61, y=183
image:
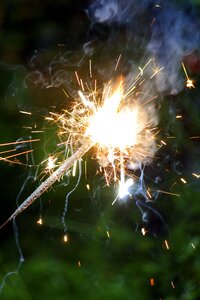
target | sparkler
x=121, y=128
x=189, y=82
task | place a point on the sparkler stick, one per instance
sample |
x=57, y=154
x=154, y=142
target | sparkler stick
x=55, y=176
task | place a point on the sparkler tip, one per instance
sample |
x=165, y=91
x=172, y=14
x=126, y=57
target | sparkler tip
x=40, y=221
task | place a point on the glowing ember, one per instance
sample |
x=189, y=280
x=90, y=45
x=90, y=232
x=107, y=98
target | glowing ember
x=166, y=244
x=152, y=281
x=124, y=187
x=190, y=84
x=65, y=238
x=40, y=221
x=79, y=264
x=51, y=163
x=183, y=180
x=108, y=234
x=144, y=231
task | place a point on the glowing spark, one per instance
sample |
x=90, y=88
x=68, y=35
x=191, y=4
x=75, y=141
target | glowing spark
x=142, y=69
x=26, y=127
x=88, y=187
x=85, y=101
x=118, y=60
x=179, y=117
x=189, y=82
x=74, y=169
x=154, y=19
x=19, y=142
x=152, y=282
x=15, y=155
x=7, y=151
x=172, y=284
x=51, y=163
x=79, y=263
x=85, y=169
x=193, y=246
x=148, y=193
x=168, y=193
x=144, y=231
x=25, y=112
x=124, y=188
x=65, y=238
x=166, y=244
x=65, y=93
x=95, y=87
x=82, y=86
x=183, y=180
x=49, y=118
x=108, y=234
x=76, y=74
x=163, y=143
x=37, y=131
x=40, y=221
x=156, y=71
x=90, y=67
x=195, y=137
x=196, y=175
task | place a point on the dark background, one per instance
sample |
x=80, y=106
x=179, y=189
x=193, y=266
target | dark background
x=34, y=36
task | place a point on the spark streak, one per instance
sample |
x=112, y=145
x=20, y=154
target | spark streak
x=15, y=155
x=189, y=82
x=19, y=142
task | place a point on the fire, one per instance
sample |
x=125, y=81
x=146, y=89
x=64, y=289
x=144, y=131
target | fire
x=119, y=127
x=121, y=131
x=111, y=127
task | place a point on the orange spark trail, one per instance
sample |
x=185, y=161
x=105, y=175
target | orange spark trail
x=19, y=142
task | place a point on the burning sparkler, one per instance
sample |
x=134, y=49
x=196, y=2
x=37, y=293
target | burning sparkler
x=121, y=128
x=189, y=82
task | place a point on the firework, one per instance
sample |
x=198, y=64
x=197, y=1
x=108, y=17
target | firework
x=120, y=127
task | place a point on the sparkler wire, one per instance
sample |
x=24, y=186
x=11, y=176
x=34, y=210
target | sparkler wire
x=55, y=176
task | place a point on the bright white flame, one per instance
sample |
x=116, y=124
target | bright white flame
x=124, y=188
x=51, y=163
x=111, y=127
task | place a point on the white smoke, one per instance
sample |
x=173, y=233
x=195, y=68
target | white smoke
x=161, y=30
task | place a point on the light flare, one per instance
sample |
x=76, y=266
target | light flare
x=124, y=187
x=120, y=132
x=65, y=238
x=51, y=163
x=110, y=128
